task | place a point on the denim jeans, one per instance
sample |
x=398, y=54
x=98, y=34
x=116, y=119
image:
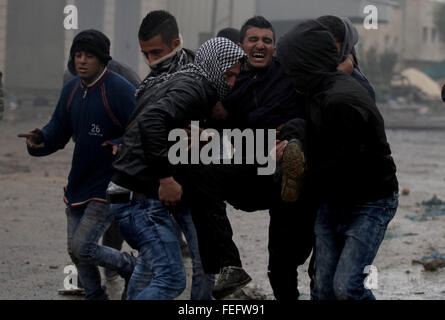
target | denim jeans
x=347, y=240
x=202, y=283
x=86, y=224
x=147, y=226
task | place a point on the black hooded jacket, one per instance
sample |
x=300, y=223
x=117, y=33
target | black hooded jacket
x=263, y=99
x=349, y=158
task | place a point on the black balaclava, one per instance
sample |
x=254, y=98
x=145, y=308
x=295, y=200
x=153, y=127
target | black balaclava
x=92, y=41
x=308, y=54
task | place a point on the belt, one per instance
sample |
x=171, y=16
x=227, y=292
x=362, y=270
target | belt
x=125, y=197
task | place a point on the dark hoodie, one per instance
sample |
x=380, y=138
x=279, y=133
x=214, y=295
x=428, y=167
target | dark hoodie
x=349, y=157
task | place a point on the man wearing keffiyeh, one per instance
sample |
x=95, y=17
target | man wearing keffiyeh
x=144, y=191
x=162, y=49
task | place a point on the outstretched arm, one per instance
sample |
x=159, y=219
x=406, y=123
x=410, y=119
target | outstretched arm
x=54, y=136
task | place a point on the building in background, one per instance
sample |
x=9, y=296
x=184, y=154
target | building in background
x=284, y=13
x=410, y=32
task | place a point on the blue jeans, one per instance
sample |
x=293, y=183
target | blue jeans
x=147, y=226
x=86, y=224
x=202, y=283
x=347, y=240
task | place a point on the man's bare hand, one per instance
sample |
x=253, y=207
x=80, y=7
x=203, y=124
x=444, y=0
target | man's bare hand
x=113, y=147
x=34, y=139
x=219, y=112
x=170, y=192
x=347, y=65
x=277, y=152
x=207, y=137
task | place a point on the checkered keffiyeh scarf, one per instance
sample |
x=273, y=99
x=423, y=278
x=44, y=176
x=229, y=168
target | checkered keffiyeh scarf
x=212, y=60
x=171, y=65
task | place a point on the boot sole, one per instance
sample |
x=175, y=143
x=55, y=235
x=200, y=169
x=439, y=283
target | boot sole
x=293, y=172
x=224, y=293
x=71, y=292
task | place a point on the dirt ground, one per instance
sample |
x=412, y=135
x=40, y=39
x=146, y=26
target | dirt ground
x=33, y=224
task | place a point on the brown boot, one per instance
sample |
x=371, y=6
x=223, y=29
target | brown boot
x=294, y=169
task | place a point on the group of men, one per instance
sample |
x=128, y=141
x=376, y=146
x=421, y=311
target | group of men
x=333, y=192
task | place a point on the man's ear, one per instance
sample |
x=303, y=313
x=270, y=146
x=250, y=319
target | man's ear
x=176, y=42
x=240, y=45
x=274, y=54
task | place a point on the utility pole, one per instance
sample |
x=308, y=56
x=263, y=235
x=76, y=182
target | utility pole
x=229, y=7
x=231, y=4
x=214, y=15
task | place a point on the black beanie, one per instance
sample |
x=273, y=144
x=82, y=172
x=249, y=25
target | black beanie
x=92, y=41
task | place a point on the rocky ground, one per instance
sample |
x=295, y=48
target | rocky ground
x=33, y=224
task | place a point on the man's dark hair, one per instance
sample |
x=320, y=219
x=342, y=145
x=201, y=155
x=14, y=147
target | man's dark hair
x=229, y=33
x=159, y=22
x=256, y=22
x=335, y=26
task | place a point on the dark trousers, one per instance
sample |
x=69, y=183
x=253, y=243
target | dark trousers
x=112, y=237
x=206, y=188
x=291, y=240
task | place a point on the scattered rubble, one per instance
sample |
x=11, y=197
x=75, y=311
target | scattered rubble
x=433, y=208
x=405, y=191
x=389, y=236
x=432, y=262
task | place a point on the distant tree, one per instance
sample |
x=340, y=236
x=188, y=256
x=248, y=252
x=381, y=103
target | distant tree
x=379, y=69
x=388, y=61
x=439, y=20
x=371, y=66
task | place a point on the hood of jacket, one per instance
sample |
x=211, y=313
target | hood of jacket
x=351, y=39
x=308, y=54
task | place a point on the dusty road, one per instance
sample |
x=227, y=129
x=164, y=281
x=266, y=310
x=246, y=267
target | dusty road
x=33, y=225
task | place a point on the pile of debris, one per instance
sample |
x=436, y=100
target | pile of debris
x=432, y=262
x=433, y=208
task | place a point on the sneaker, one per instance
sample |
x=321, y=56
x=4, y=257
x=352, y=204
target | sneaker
x=102, y=295
x=294, y=168
x=230, y=280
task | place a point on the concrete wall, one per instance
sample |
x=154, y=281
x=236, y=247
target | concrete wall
x=195, y=17
x=3, y=24
x=36, y=48
x=126, y=25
